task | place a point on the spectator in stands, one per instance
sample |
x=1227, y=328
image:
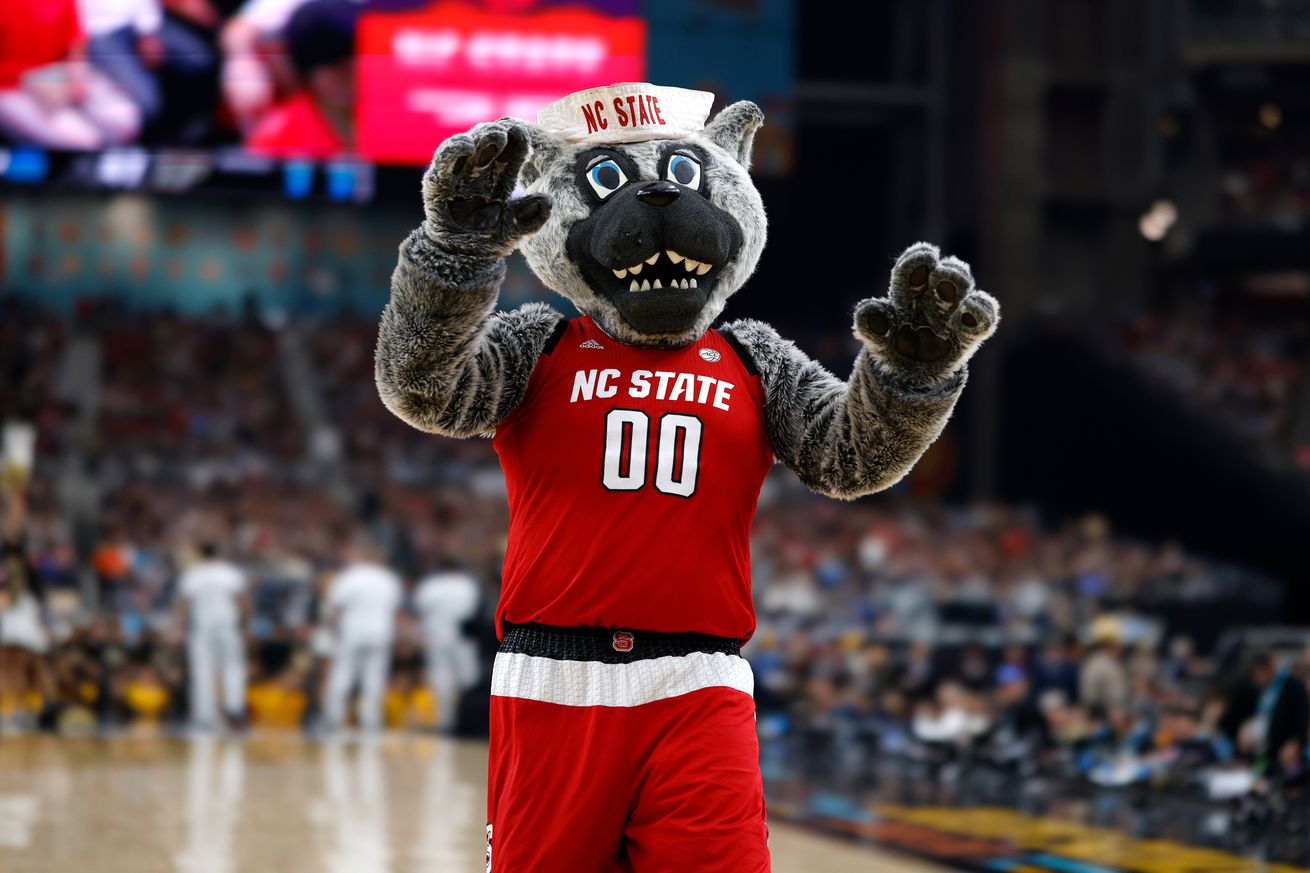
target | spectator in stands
x=136, y=46
x=254, y=67
x=316, y=119
x=1056, y=669
x=1103, y=678
x=49, y=95
x=1021, y=729
x=1268, y=715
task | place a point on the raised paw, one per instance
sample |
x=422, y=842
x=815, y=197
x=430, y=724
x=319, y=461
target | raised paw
x=467, y=188
x=932, y=318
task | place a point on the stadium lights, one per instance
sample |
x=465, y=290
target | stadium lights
x=1157, y=220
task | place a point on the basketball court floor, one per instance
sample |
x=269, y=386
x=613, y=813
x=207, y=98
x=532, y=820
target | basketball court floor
x=280, y=804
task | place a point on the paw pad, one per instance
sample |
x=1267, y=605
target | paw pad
x=486, y=153
x=878, y=323
x=921, y=344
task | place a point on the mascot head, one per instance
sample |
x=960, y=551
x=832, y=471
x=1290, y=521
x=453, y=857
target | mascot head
x=655, y=222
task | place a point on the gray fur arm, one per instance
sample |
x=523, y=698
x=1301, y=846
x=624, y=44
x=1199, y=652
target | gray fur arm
x=446, y=361
x=844, y=439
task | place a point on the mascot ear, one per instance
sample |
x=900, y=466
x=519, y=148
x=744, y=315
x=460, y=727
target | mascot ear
x=733, y=129
x=546, y=148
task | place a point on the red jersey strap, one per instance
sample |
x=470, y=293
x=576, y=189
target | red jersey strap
x=556, y=335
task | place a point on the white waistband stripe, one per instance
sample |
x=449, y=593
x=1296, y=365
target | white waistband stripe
x=591, y=683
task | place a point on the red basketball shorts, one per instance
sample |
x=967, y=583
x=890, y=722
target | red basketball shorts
x=623, y=753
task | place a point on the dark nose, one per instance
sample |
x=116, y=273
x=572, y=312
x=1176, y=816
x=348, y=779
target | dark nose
x=660, y=193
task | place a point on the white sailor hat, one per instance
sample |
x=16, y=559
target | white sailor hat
x=627, y=112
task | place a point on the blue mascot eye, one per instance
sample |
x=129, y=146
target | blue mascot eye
x=606, y=178
x=685, y=170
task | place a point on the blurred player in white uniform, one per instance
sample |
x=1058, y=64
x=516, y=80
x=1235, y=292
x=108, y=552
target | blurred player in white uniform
x=445, y=601
x=361, y=602
x=212, y=602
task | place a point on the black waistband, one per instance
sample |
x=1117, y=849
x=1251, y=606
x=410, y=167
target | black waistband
x=607, y=645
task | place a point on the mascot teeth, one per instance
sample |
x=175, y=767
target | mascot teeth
x=645, y=284
x=690, y=265
x=657, y=284
x=634, y=286
x=674, y=256
x=620, y=273
x=653, y=258
x=703, y=269
x=634, y=269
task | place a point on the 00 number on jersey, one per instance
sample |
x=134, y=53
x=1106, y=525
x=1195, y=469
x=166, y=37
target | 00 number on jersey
x=627, y=445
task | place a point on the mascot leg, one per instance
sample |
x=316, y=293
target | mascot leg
x=673, y=784
x=699, y=803
x=558, y=787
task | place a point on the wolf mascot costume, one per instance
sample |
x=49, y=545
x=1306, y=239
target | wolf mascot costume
x=634, y=440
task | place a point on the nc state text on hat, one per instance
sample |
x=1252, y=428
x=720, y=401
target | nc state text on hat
x=640, y=109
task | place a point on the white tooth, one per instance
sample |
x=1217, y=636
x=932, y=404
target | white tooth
x=633, y=286
x=620, y=273
x=645, y=284
x=690, y=264
x=703, y=269
x=693, y=283
x=682, y=284
x=656, y=284
x=635, y=269
x=653, y=258
x=674, y=256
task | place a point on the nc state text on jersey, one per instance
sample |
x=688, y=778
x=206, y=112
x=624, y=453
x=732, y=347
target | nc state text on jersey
x=657, y=384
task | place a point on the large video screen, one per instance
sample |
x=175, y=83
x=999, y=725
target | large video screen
x=166, y=87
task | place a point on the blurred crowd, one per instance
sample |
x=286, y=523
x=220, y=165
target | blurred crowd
x=1272, y=193
x=81, y=75
x=1250, y=370
x=977, y=633
x=184, y=481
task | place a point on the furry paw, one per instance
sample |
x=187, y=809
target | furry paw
x=467, y=188
x=932, y=319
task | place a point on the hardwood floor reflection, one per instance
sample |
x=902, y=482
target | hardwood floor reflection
x=276, y=804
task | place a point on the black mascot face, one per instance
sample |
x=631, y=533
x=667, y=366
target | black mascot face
x=649, y=238
x=655, y=248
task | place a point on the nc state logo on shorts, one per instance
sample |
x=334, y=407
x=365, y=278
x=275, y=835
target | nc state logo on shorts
x=623, y=641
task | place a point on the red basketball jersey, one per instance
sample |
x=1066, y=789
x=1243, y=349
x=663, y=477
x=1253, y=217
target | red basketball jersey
x=633, y=476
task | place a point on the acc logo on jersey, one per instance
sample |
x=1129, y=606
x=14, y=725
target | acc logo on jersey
x=623, y=641
x=710, y=355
